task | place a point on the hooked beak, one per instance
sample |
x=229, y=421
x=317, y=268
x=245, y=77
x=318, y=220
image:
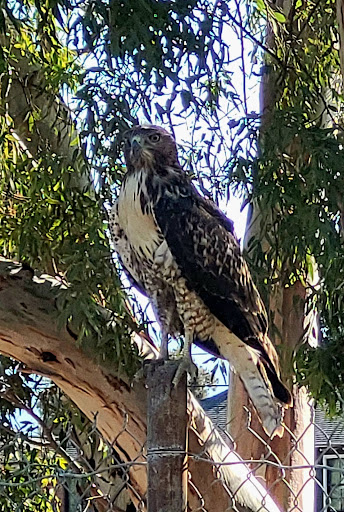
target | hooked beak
x=136, y=147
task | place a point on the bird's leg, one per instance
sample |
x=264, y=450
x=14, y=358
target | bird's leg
x=186, y=364
x=164, y=346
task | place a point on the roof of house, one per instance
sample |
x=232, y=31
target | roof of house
x=216, y=408
x=328, y=431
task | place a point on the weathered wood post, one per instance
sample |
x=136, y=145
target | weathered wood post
x=166, y=438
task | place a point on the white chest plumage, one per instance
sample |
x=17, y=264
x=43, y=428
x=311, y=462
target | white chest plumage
x=147, y=256
x=136, y=218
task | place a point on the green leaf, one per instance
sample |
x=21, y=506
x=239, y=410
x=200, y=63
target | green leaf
x=279, y=16
x=261, y=6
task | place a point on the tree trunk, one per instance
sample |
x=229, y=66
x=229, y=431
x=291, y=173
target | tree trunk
x=26, y=96
x=296, y=447
x=291, y=487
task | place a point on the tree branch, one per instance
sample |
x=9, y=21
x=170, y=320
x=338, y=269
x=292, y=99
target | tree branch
x=29, y=334
x=27, y=96
x=26, y=92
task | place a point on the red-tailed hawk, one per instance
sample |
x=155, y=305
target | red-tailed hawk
x=180, y=250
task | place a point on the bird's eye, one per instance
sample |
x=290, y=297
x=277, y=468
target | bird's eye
x=155, y=137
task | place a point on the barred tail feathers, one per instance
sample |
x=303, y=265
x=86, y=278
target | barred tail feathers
x=269, y=410
x=260, y=379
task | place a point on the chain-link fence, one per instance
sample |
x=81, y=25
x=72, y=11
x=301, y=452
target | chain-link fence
x=80, y=471
x=316, y=482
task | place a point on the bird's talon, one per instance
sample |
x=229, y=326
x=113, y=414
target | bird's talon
x=185, y=366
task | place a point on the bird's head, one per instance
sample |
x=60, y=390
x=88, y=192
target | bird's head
x=149, y=146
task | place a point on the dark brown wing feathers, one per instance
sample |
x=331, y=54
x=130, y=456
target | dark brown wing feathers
x=202, y=241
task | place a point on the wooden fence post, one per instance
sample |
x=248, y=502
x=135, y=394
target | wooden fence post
x=166, y=438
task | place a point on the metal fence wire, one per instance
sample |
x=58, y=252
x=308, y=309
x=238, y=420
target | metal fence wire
x=81, y=472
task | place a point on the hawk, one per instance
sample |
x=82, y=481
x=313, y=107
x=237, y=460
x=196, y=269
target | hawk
x=180, y=250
